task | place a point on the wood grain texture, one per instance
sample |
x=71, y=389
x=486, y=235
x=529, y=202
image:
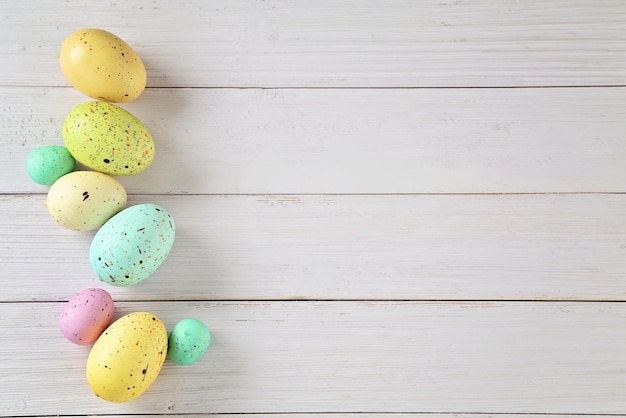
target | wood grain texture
x=331, y=43
x=344, y=357
x=349, y=415
x=349, y=141
x=384, y=209
x=344, y=247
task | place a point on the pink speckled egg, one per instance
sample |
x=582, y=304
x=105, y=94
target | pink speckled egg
x=86, y=316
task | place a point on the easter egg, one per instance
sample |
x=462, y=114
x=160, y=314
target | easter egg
x=130, y=246
x=107, y=138
x=86, y=315
x=188, y=341
x=85, y=200
x=127, y=358
x=47, y=164
x=102, y=66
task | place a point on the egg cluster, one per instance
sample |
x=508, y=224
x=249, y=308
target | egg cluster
x=131, y=242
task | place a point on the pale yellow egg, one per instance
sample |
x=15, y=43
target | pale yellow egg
x=102, y=66
x=127, y=358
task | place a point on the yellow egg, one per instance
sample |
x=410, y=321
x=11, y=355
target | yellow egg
x=102, y=66
x=127, y=357
x=107, y=138
x=85, y=200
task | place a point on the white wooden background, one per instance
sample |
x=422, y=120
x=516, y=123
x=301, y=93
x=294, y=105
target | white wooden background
x=384, y=208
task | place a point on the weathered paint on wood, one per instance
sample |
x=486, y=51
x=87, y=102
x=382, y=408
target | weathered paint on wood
x=350, y=181
x=274, y=357
x=506, y=247
x=350, y=141
x=332, y=43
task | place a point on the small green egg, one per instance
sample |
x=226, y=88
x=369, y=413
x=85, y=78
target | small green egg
x=45, y=165
x=188, y=341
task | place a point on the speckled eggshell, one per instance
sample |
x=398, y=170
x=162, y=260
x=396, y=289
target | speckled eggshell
x=128, y=357
x=102, y=65
x=85, y=200
x=107, y=138
x=132, y=244
x=47, y=164
x=188, y=341
x=86, y=315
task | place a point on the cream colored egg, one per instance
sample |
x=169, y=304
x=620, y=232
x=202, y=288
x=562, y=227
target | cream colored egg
x=85, y=200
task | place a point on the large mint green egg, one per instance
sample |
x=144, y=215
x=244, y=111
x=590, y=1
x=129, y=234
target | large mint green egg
x=132, y=245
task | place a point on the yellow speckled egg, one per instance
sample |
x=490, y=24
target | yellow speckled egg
x=102, y=66
x=107, y=138
x=127, y=357
x=85, y=200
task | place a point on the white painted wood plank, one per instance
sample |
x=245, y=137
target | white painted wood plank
x=332, y=42
x=356, y=415
x=349, y=141
x=343, y=247
x=353, y=415
x=343, y=357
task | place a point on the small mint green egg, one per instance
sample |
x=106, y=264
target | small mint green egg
x=188, y=341
x=45, y=165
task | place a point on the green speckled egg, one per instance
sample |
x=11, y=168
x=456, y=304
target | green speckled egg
x=45, y=165
x=188, y=341
x=107, y=138
x=130, y=246
x=127, y=357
